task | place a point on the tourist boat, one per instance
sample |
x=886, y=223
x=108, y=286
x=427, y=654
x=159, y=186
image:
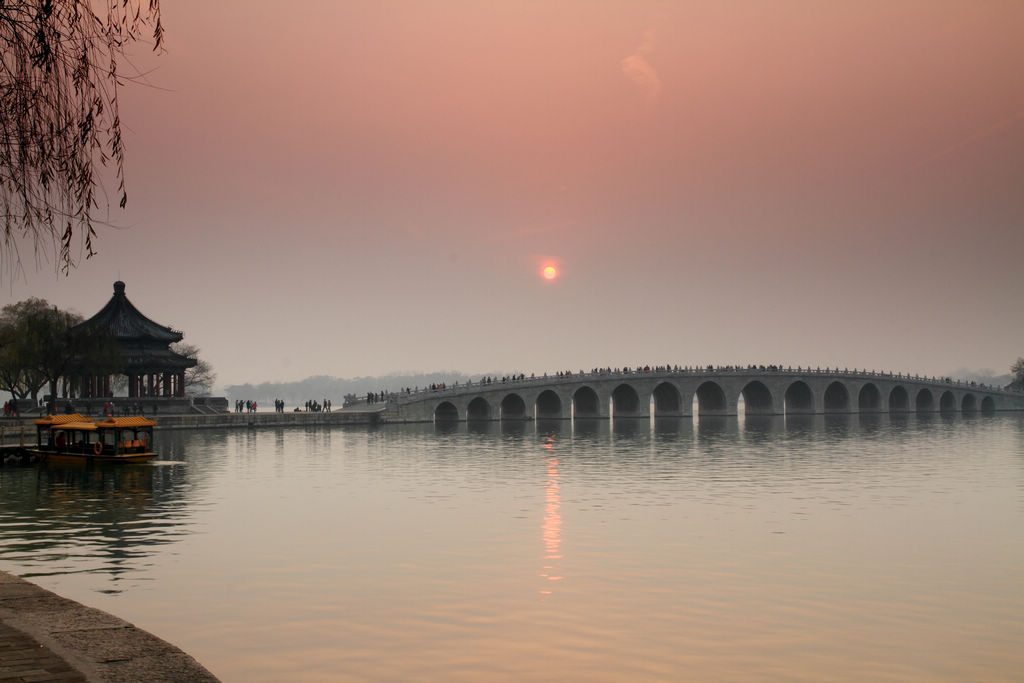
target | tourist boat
x=77, y=439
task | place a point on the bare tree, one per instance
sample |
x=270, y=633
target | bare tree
x=199, y=378
x=59, y=120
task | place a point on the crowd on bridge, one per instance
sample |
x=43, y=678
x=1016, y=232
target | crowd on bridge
x=695, y=369
x=504, y=380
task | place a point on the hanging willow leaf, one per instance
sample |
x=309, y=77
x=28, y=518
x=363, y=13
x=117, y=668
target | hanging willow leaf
x=59, y=117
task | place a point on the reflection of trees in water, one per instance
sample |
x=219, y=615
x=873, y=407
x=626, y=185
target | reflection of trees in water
x=59, y=520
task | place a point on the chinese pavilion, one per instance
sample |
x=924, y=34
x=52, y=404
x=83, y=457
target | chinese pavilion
x=153, y=369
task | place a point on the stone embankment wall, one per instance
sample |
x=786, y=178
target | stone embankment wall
x=237, y=420
x=12, y=427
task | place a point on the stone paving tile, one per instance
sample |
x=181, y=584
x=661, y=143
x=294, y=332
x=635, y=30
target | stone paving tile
x=24, y=660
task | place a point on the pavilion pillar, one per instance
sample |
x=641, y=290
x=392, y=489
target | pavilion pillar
x=149, y=378
x=181, y=384
x=167, y=384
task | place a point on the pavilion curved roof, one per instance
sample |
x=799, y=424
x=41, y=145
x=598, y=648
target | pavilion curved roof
x=127, y=323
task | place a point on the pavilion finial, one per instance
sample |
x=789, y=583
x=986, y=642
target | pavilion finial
x=118, y=288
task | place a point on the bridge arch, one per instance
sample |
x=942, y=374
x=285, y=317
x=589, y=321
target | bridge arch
x=799, y=399
x=446, y=412
x=869, y=399
x=668, y=401
x=586, y=403
x=548, y=405
x=711, y=399
x=924, y=401
x=969, y=404
x=757, y=399
x=947, y=402
x=899, y=400
x=478, y=409
x=837, y=398
x=513, y=407
x=625, y=401
x=988, y=405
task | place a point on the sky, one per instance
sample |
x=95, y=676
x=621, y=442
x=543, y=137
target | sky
x=358, y=188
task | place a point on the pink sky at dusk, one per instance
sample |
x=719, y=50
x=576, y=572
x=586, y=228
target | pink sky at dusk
x=364, y=187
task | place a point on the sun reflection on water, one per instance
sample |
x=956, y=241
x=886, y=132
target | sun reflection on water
x=551, y=529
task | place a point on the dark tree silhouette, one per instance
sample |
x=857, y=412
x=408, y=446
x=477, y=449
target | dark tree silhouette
x=1018, y=375
x=59, y=121
x=38, y=347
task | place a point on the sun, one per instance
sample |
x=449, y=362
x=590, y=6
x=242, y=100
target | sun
x=549, y=272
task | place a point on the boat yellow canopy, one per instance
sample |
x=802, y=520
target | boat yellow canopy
x=54, y=420
x=125, y=422
x=78, y=426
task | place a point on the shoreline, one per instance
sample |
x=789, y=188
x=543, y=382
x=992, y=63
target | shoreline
x=12, y=426
x=97, y=645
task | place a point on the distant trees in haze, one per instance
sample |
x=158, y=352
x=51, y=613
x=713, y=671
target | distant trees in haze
x=59, y=119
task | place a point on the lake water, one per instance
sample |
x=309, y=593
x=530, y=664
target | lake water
x=846, y=548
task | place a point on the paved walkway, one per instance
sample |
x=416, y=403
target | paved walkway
x=44, y=637
x=24, y=659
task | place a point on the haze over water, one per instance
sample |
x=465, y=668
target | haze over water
x=847, y=548
x=360, y=188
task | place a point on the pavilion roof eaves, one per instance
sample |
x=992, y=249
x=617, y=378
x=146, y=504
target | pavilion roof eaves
x=127, y=323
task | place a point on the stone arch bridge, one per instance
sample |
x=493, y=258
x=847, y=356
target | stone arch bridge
x=711, y=392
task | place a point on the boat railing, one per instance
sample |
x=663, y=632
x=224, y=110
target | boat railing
x=14, y=436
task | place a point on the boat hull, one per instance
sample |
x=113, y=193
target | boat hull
x=90, y=459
